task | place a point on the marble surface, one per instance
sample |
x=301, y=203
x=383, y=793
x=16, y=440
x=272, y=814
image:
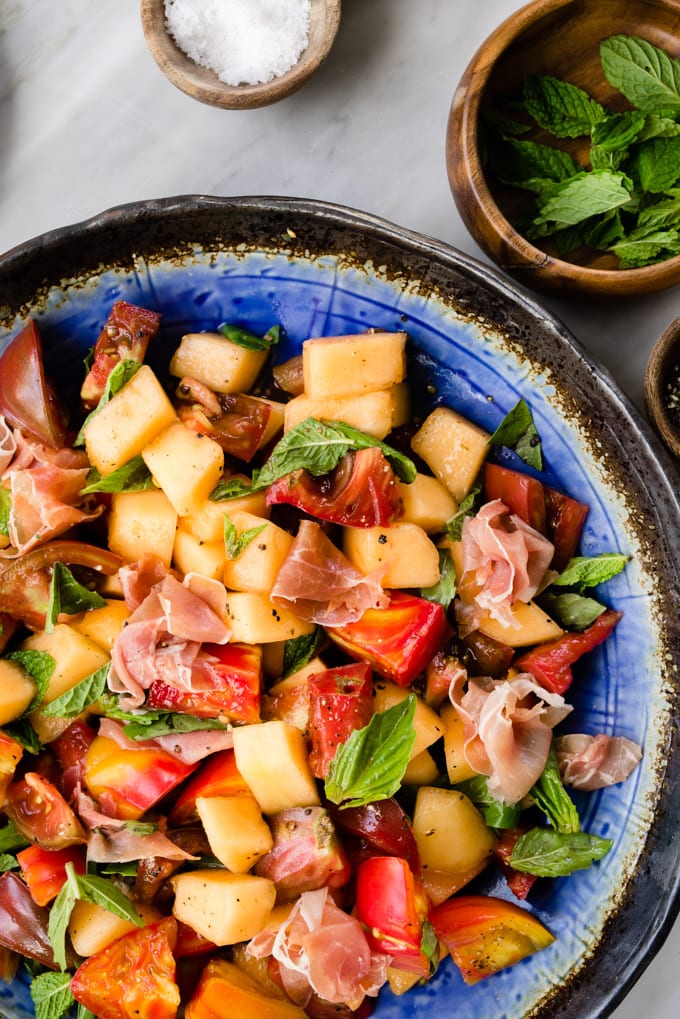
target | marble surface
x=88, y=121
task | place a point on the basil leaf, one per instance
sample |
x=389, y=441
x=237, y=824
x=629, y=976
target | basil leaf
x=467, y=508
x=151, y=724
x=560, y=107
x=40, y=666
x=60, y=914
x=577, y=199
x=235, y=543
x=496, y=813
x=571, y=610
x=133, y=476
x=429, y=946
x=646, y=75
x=67, y=595
x=299, y=651
x=444, y=591
x=81, y=696
x=24, y=733
x=11, y=839
x=583, y=572
x=371, y=764
x=250, y=341
x=8, y=862
x=100, y=891
x=548, y=853
x=118, y=376
x=51, y=994
x=5, y=510
x=517, y=431
x=549, y=794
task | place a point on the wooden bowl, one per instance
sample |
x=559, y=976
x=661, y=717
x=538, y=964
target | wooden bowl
x=203, y=84
x=662, y=387
x=560, y=38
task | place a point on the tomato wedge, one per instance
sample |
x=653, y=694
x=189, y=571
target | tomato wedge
x=41, y=813
x=124, y=337
x=340, y=701
x=523, y=495
x=551, y=663
x=234, y=692
x=44, y=870
x=217, y=776
x=384, y=826
x=26, y=398
x=393, y=908
x=485, y=934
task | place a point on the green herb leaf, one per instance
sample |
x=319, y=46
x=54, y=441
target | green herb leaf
x=104, y=893
x=467, y=508
x=11, y=839
x=583, y=572
x=8, y=862
x=618, y=130
x=548, y=853
x=24, y=733
x=84, y=1013
x=371, y=764
x=520, y=162
x=517, y=431
x=577, y=199
x=571, y=610
x=549, y=794
x=67, y=595
x=444, y=591
x=80, y=696
x=646, y=75
x=645, y=248
x=118, y=376
x=496, y=813
x=250, y=341
x=299, y=651
x=429, y=946
x=60, y=914
x=5, y=510
x=133, y=476
x=40, y=666
x=234, y=543
x=51, y=994
x=560, y=107
x=659, y=127
x=657, y=164
x=151, y=724
x=663, y=215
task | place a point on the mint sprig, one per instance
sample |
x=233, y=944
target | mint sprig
x=69, y=596
x=234, y=543
x=51, y=994
x=518, y=432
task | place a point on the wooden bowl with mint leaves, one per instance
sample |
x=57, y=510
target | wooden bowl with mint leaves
x=563, y=146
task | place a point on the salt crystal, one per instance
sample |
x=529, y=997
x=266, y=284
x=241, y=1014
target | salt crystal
x=242, y=41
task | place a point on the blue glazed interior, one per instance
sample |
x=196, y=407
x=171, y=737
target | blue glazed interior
x=472, y=369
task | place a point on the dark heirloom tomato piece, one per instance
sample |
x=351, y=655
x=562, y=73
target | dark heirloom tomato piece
x=551, y=663
x=124, y=337
x=487, y=656
x=523, y=495
x=362, y=491
x=191, y=943
x=384, y=826
x=23, y=924
x=217, y=776
x=519, y=883
x=306, y=854
x=236, y=421
x=565, y=518
x=234, y=692
x=340, y=701
x=154, y=871
x=26, y=398
x=41, y=814
x=70, y=749
x=392, y=908
x=44, y=870
x=134, y=978
x=399, y=640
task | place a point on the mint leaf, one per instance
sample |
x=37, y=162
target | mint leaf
x=67, y=595
x=444, y=591
x=74, y=701
x=235, y=543
x=574, y=200
x=10, y=839
x=560, y=107
x=583, y=572
x=663, y=215
x=548, y=853
x=371, y=764
x=152, y=724
x=645, y=248
x=618, y=130
x=520, y=162
x=60, y=914
x=659, y=127
x=299, y=651
x=571, y=610
x=40, y=666
x=133, y=476
x=92, y=888
x=467, y=508
x=657, y=163
x=118, y=376
x=517, y=431
x=549, y=794
x=8, y=862
x=5, y=510
x=496, y=813
x=250, y=341
x=646, y=75
x=51, y=994
x=24, y=733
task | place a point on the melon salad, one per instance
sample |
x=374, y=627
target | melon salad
x=283, y=669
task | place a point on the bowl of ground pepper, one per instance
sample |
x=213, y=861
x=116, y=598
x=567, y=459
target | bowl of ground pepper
x=239, y=54
x=662, y=387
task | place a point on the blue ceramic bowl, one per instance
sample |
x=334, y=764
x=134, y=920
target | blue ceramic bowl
x=479, y=344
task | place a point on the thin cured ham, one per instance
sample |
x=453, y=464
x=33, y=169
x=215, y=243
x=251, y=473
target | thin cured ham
x=187, y=747
x=319, y=583
x=111, y=840
x=504, y=560
x=594, y=762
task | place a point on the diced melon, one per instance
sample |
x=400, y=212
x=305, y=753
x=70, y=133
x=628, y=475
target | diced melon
x=457, y=766
x=185, y=464
x=140, y=523
x=453, y=448
x=531, y=626
x=404, y=551
x=428, y=725
x=350, y=365
x=272, y=758
x=427, y=502
x=130, y=420
x=103, y=625
x=256, y=567
x=254, y=619
x=206, y=521
x=440, y=885
x=422, y=770
x=216, y=361
x=238, y=834
x=75, y=656
x=17, y=690
x=223, y=907
x=192, y=555
x=93, y=928
x=375, y=413
x=449, y=830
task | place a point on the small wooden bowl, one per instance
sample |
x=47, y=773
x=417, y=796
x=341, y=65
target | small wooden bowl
x=203, y=84
x=560, y=38
x=662, y=381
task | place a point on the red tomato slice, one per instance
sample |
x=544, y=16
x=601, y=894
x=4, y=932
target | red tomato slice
x=551, y=663
x=41, y=813
x=26, y=399
x=235, y=691
x=523, y=495
x=487, y=657
x=23, y=924
x=486, y=934
x=44, y=870
x=399, y=640
x=125, y=337
x=361, y=492
x=134, y=978
x=11, y=753
x=217, y=776
x=392, y=907
x=340, y=701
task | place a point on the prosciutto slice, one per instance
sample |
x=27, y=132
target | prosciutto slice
x=320, y=584
x=594, y=762
x=507, y=730
x=324, y=950
x=187, y=747
x=504, y=560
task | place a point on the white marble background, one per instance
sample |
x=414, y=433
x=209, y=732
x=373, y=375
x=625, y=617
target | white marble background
x=88, y=121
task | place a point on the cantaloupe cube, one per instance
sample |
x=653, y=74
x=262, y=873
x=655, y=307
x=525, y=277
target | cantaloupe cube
x=449, y=830
x=141, y=523
x=206, y=521
x=103, y=625
x=532, y=626
x=192, y=555
x=349, y=365
x=256, y=567
x=453, y=448
x=216, y=361
x=185, y=464
x=404, y=551
x=375, y=413
x=457, y=766
x=427, y=723
x=17, y=690
x=272, y=758
x=93, y=928
x=427, y=502
x=75, y=655
x=226, y=990
x=422, y=770
x=254, y=619
x=128, y=422
x=238, y=834
x=223, y=907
